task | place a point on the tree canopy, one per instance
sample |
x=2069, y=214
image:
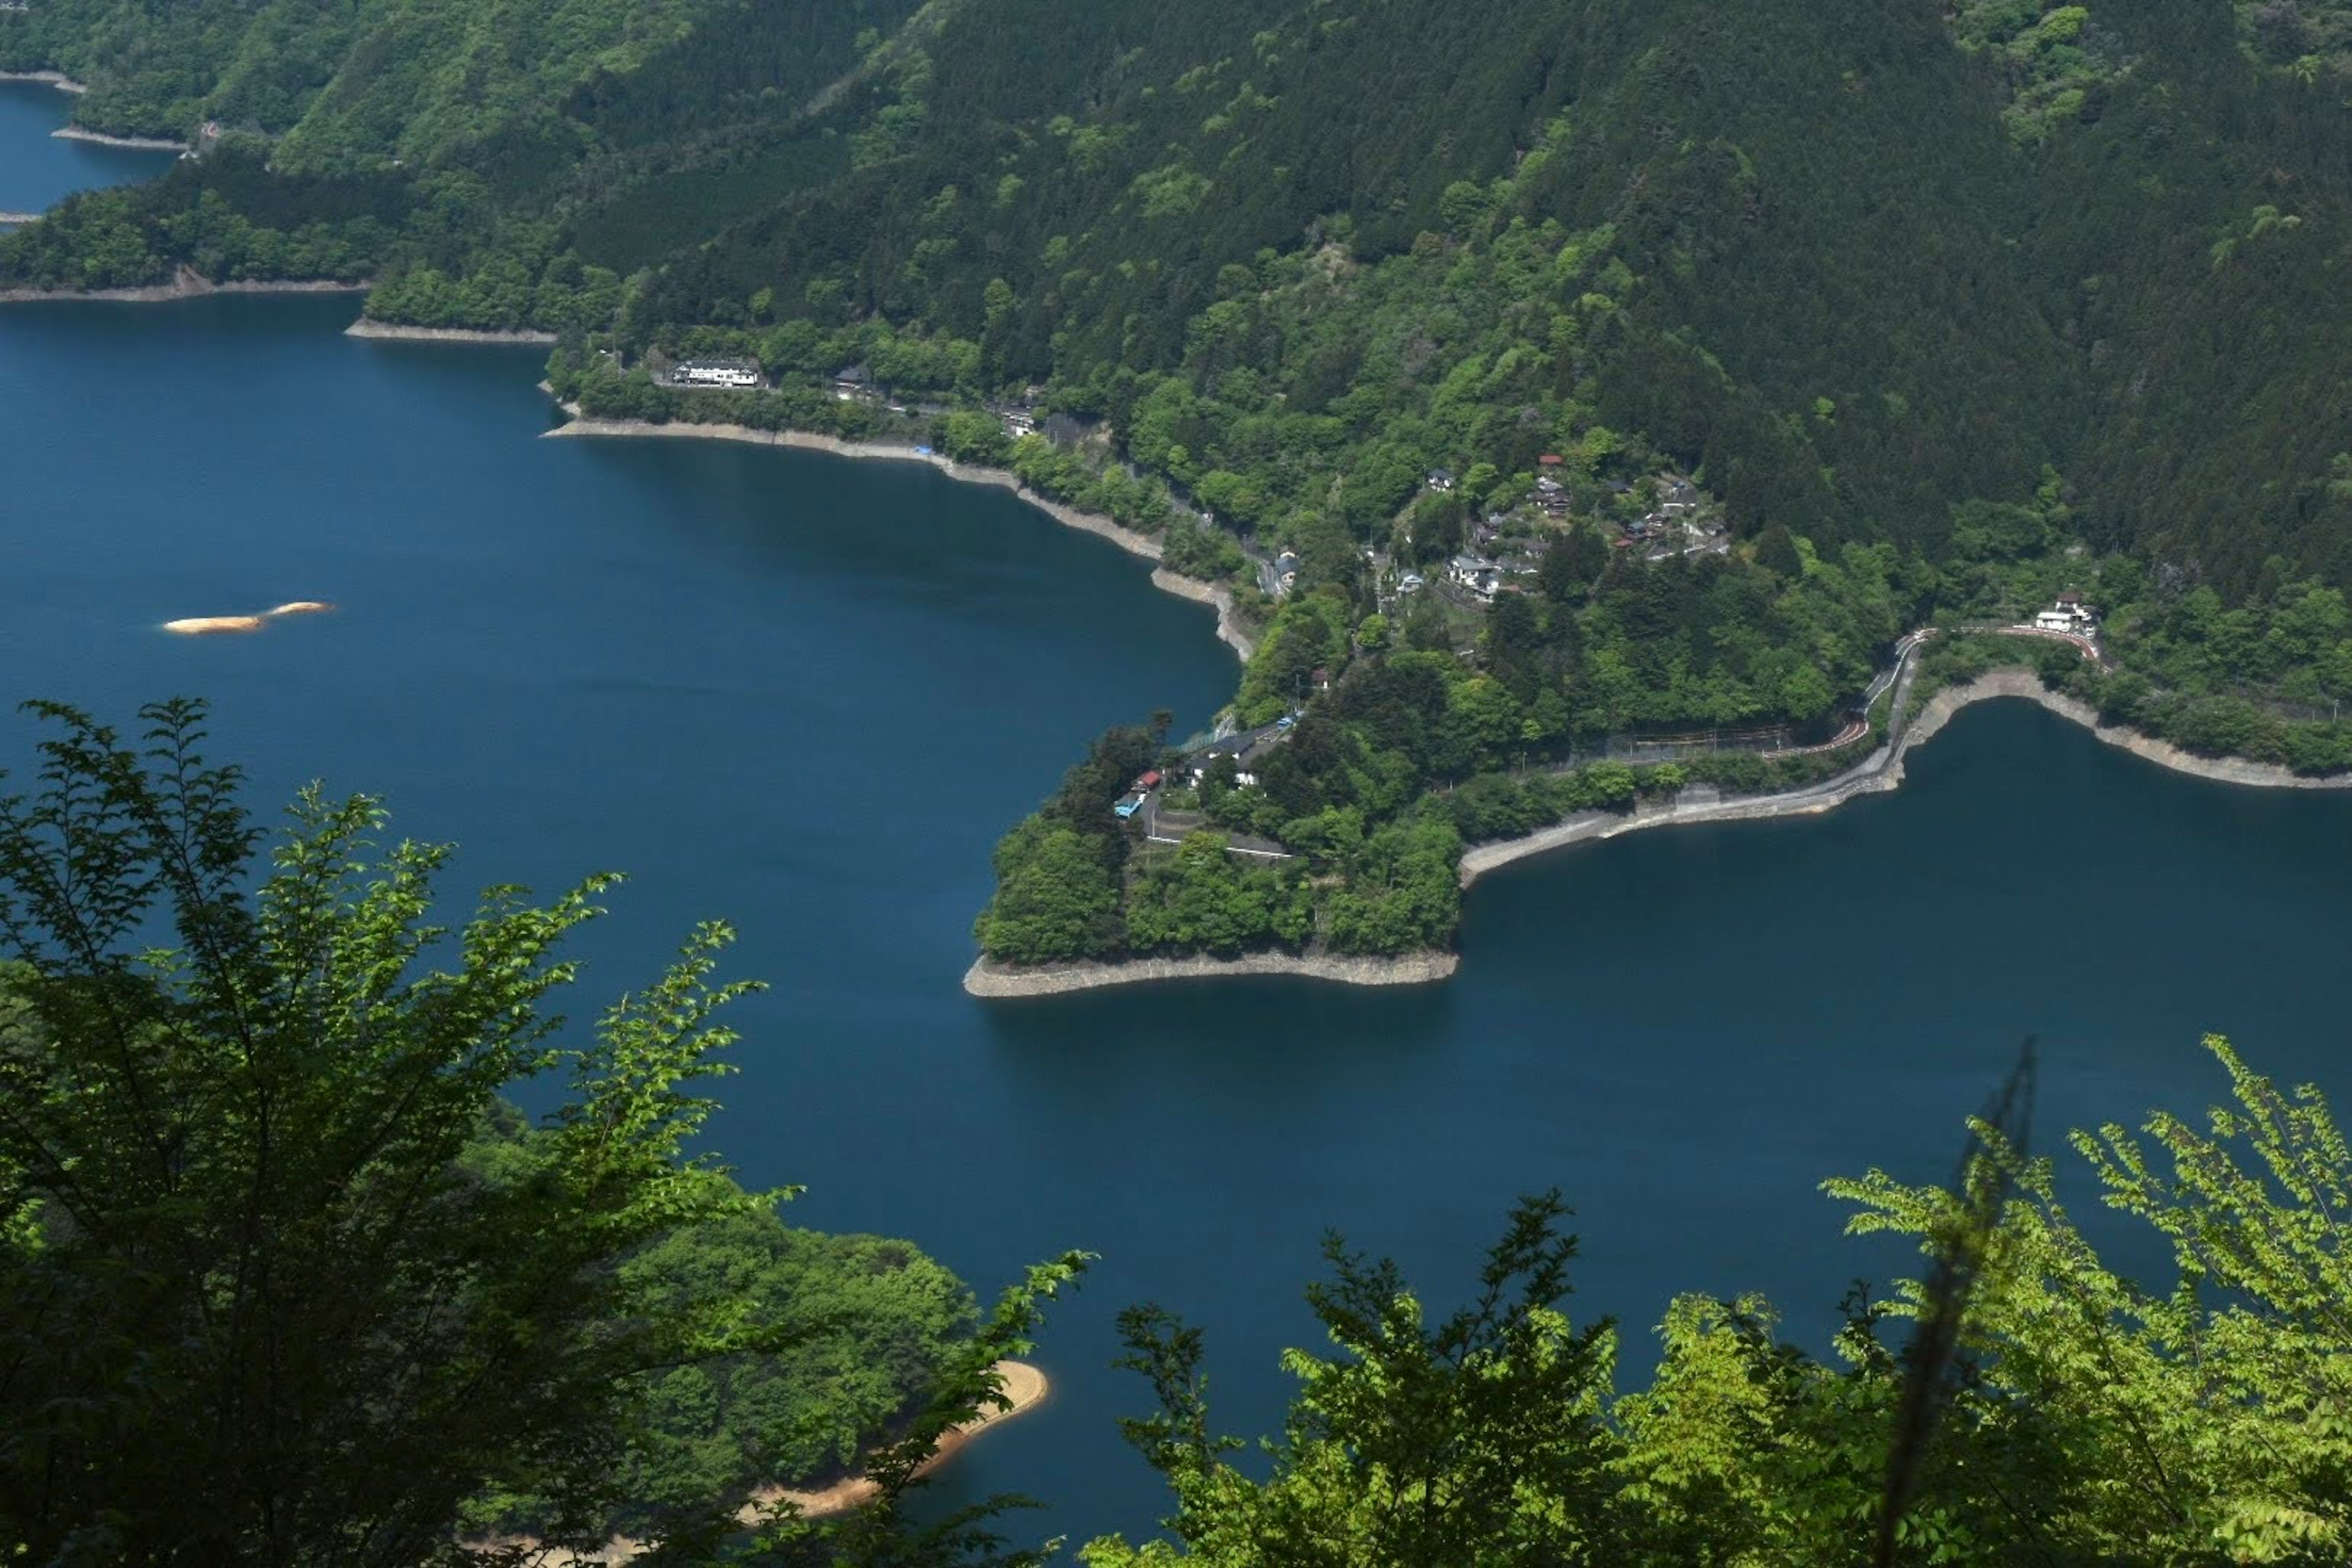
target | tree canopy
x=284, y=1277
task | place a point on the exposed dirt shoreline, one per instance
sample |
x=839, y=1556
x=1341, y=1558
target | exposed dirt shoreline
x=1025, y=1388
x=1229, y=630
x=392, y=331
x=186, y=284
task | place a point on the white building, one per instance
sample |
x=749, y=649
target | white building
x=737, y=373
x=2069, y=614
x=1476, y=573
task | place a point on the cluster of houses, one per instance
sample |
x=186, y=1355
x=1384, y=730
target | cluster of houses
x=2069, y=616
x=1486, y=578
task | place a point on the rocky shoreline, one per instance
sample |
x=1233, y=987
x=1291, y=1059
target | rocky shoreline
x=1880, y=771
x=186, y=284
x=1883, y=770
x=2163, y=754
x=392, y=331
x=996, y=981
x=138, y=143
x=58, y=80
x=1230, y=629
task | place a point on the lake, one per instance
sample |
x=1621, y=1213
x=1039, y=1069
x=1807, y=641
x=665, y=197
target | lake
x=36, y=169
x=805, y=694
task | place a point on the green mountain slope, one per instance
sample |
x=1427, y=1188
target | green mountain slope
x=1820, y=322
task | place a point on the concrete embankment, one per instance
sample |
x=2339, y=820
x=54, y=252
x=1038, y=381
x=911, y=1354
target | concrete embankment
x=1883, y=770
x=185, y=285
x=392, y=331
x=58, y=80
x=996, y=981
x=138, y=143
x=2023, y=683
x=1230, y=629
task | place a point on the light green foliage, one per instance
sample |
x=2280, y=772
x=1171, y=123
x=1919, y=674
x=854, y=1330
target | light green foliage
x=1171, y=192
x=1474, y=1440
x=259, y=1263
x=285, y=1278
x=2203, y=1419
x=1310, y=633
x=2091, y=1419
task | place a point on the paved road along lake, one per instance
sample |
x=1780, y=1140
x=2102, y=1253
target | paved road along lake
x=805, y=694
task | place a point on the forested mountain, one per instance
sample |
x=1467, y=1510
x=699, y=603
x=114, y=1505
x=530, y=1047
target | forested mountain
x=1936, y=312
x=1859, y=261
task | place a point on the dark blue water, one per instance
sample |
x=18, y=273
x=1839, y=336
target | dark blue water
x=36, y=168
x=806, y=694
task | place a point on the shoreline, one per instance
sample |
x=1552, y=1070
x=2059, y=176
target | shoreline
x=1877, y=773
x=1025, y=1387
x=137, y=143
x=391, y=332
x=185, y=284
x=58, y=80
x=994, y=982
x=1883, y=771
x=1230, y=631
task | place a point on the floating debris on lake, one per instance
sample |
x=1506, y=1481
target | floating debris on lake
x=214, y=626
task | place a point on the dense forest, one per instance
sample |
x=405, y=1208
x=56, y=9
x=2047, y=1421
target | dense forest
x=286, y=1278
x=1928, y=314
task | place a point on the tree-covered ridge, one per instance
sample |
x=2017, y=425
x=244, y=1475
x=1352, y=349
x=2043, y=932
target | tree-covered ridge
x=522, y=90
x=1845, y=292
x=2046, y=1408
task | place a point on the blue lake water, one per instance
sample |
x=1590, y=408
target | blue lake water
x=806, y=694
x=36, y=169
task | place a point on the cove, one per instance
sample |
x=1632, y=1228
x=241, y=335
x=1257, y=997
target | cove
x=805, y=694
x=37, y=170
